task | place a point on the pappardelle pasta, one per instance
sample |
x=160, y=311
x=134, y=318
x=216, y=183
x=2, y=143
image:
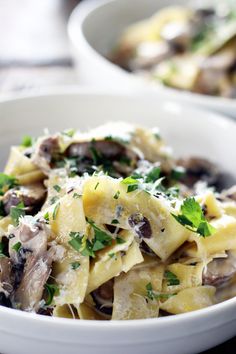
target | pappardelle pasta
x=107, y=225
x=189, y=48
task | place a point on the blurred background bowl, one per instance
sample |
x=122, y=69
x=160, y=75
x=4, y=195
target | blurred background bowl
x=94, y=28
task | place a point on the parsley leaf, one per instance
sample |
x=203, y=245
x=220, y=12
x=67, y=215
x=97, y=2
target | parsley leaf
x=46, y=217
x=116, y=195
x=152, y=295
x=16, y=212
x=6, y=182
x=77, y=196
x=75, y=265
x=27, y=141
x=192, y=218
x=57, y=188
x=171, y=278
x=16, y=247
x=52, y=290
x=55, y=211
x=153, y=175
x=132, y=184
x=120, y=240
x=101, y=238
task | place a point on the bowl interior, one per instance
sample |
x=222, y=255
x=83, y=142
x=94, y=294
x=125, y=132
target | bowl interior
x=188, y=131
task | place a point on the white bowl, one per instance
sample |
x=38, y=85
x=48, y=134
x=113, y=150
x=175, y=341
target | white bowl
x=189, y=131
x=95, y=26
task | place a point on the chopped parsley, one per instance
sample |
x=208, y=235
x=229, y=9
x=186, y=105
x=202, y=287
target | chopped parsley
x=70, y=132
x=177, y=173
x=152, y=295
x=53, y=200
x=116, y=195
x=27, y=141
x=132, y=184
x=75, y=265
x=171, y=278
x=16, y=247
x=112, y=255
x=52, y=290
x=120, y=240
x=55, y=211
x=81, y=244
x=16, y=212
x=114, y=222
x=153, y=175
x=193, y=219
x=46, y=217
x=7, y=182
x=57, y=188
x=97, y=184
x=101, y=238
x=77, y=196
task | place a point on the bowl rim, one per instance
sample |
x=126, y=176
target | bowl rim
x=213, y=310
x=78, y=39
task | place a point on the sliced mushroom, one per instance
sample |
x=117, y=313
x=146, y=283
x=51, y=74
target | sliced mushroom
x=5, y=282
x=30, y=291
x=198, y=169
x=141, y=225
x=32, y=196
x=220, y=271
x=110, y=154
x=103, y=297
x=46, y=153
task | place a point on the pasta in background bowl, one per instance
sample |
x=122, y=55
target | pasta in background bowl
x=92, y=50
x=108, y=217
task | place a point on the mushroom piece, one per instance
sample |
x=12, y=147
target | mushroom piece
x=141, y=225
x=103, y=297
x=112, y=155
x=220, y=271
x=47, y=151
x=179, y=34
x=5, y=282
x=32, y=196
x=198, y=169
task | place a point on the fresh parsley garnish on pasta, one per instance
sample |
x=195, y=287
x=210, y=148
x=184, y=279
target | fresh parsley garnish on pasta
x=17, y=212
x=192, y=218
x=153, y=295
x=7, y=182
x=27, y=141
x=171, y=278
x=16, y=247
x=52, y=290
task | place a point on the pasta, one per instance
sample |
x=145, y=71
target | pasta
x=189, y=48
x=107, y=225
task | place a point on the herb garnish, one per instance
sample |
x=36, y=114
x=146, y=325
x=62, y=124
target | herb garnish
x=54, y=199
x=193, y=219
x=114, y=222
x=171, y=278
x=57, y=188
x=70, y=132
x=116, y=195
x=97, y=184
x=132, y=184
x=27, y=141
x=52, y=290
x=120, y=240
x=46, y=217
x=55, y=211
x=81, y=244
x=7, y=182
x=75, y=265
x=16, y=246
x=77, y=196
x=16, y=212
x=152, y=295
